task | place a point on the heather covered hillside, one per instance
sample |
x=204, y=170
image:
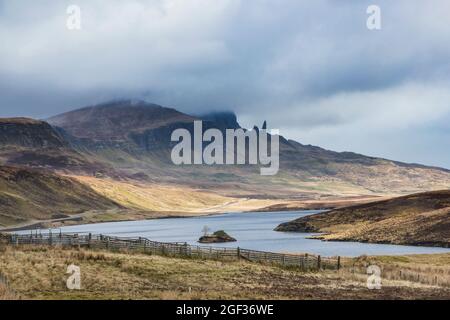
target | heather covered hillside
x=418, y=219
x=27, y=195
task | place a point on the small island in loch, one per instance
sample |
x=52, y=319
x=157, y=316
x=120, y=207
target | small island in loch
x=217, y=237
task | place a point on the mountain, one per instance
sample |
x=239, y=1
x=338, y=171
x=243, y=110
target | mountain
x=27, y=194
x=418, y=219
x=34, y=143
x=222, y=119
x=29, y=133
x=133, y=137
x=130, y=140
x=115, y=121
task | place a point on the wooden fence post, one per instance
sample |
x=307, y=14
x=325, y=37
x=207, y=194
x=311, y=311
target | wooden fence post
x=239, y=253
x=319, y=262
x=339, y=263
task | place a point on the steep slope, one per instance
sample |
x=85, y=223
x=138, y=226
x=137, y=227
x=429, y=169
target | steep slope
x=418, y=219
x=29, y=194
x=34, y=143
x=29, y=133
x=134, y=138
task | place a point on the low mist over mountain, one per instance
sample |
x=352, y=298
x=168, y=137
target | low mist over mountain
x=115, y=121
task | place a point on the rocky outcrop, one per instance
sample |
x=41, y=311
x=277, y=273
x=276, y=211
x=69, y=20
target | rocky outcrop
x=222, y=120
x=217, y=237
x=29, y=133
x=33, y=143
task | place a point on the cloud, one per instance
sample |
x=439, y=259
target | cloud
x=312, y=68
x=408, y=123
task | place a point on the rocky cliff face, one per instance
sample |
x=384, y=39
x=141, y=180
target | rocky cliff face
x=226, y=120
x=29, y=133
x=33, y=143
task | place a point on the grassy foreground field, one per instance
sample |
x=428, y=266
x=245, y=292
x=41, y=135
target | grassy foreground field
x=40, y=273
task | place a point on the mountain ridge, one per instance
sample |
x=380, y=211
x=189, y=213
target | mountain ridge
x=128, y=139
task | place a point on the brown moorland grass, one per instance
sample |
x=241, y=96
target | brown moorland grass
x=27, y=194
x=40, y=273
x=417, y=219
x=7, y=294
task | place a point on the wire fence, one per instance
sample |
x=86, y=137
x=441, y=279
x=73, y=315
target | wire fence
x=307, y=262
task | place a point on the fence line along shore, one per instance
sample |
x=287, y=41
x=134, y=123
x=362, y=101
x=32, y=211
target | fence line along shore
x=307, y=262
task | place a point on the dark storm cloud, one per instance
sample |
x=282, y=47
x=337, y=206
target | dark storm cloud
x=311, y=67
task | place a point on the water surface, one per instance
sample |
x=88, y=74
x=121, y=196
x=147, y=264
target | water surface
x=252, y=230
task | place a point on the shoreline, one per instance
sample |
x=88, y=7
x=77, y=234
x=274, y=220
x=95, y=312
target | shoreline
x=237, y=206
x=151, y=215
x=318, y=236
x=93, y=217
x=209, y=214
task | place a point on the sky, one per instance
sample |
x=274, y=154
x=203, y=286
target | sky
x=312, y=69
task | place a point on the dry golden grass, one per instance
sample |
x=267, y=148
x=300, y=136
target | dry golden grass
x=27, y=194
x=40, y=273
x=140, y=196
x=417, y=219
x=7, y=294
x=174, y=200
x=433, y=270
x=170, y=198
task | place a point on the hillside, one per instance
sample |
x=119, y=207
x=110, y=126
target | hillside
x=115, y=121
x=29, y=194
x=418, y=219
x=34, y=143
